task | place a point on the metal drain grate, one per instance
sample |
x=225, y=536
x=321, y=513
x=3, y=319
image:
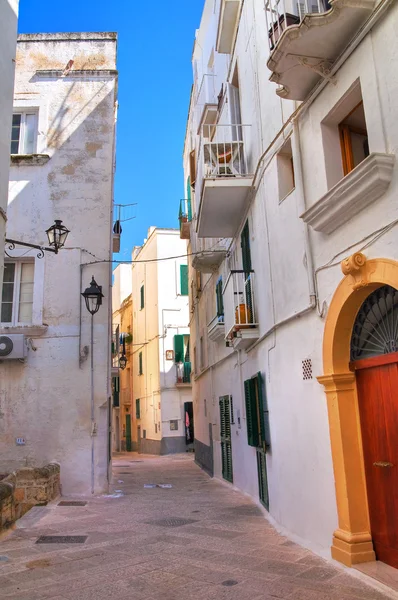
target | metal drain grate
x=172, y=522
x=61, y=539
x=72, y=503
x=230, y=582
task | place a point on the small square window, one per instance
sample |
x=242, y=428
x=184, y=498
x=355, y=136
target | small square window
x=174, y=425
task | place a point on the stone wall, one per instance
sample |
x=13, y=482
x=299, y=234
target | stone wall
x=25, y=488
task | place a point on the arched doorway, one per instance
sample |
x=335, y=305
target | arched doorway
x=347, y=347
x=374, y=345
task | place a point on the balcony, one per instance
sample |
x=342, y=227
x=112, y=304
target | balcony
x=216, y=329
x=208, y=253
x=223, y=180
x=227, y=25
x=304, y=46
x=206, y=102
x=183, y=374
x=185, y=218
x=240, y=313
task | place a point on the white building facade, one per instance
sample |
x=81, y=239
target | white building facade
x=162, y=420
x=8, y=46
x=284, y=182
x=54, y=407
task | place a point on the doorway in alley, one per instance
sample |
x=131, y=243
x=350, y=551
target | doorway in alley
x=374, y=350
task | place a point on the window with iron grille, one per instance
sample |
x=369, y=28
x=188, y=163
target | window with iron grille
x=137, y=409
x=142, y=297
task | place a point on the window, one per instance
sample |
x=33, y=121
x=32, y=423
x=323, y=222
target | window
x=285, y=168
x=184, y=280
x=257, y=420
x=142, y=297
x=198, y=283
x=181, y=348
x=137, y=409
x=192, y=167
x=201, y=353
x=195, y=364
x=24, y=133
x=353, y=139
x=140, y=371
x=17, y=296
x=219, y=301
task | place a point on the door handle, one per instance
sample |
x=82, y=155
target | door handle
x=382, y=464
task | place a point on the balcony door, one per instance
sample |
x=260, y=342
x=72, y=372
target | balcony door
x=247, y=269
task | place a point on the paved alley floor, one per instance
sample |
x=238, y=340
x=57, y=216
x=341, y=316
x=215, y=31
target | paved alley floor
x=196, y=540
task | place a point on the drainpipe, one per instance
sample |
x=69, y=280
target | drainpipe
x=300, y=194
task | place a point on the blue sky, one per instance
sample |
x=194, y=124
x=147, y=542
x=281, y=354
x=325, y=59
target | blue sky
x=154, y=61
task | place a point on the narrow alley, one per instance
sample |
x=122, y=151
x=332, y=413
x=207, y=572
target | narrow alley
x=168, y=531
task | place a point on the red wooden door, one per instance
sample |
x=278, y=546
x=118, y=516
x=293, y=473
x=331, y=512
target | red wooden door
x=377, y=382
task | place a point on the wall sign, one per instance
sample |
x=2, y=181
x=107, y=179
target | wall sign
x=169, y=354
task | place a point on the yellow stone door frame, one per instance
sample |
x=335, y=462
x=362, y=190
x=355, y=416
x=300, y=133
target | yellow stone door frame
x=352, y=541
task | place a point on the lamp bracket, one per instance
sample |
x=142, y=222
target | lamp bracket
x=10, y=245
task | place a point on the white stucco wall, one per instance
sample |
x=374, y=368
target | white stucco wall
x=46, y=400
x=8, y=44
x=299, y=463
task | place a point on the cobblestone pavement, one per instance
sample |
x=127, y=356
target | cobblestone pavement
x=197, y=540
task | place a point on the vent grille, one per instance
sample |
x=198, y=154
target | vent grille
x=307, y=369
x=6, y=345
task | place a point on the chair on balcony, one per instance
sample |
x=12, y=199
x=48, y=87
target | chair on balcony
x=224, y=159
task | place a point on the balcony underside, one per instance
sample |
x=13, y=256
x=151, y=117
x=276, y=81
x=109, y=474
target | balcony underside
x=208, y=261
x=227, y=25
x=223, y=205
x=216, y=331
x=244, y=336
x=306, y=52
x=116, y=242
x=185, y=230
x=208, y=116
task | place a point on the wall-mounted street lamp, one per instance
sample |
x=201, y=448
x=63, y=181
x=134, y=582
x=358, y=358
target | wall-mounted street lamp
x=123, y=362
x=56, y=234
x=93, y=298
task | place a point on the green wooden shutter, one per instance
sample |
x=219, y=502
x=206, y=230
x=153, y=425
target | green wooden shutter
x=245, y=245
x=128, y=433
x=263, y=412
x=225, y=438
x=219, y=298
x=142, y=296
x=140, y=363
x=184, y=280
x=251, y=413
x=137, y=409
x=262, y=478
x=178, y=348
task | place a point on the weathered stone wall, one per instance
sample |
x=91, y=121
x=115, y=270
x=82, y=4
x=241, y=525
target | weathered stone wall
x=28, y=487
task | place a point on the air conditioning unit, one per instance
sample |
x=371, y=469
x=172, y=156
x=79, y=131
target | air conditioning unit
x=12, y=347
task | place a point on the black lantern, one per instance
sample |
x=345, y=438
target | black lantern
x=57, y=235
x=93, y=296
x=123, y=362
